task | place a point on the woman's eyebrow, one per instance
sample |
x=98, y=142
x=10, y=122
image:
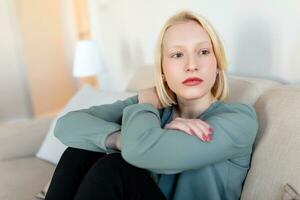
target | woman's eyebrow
x=202, y=43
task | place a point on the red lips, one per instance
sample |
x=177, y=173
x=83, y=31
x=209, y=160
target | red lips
x=192, y=80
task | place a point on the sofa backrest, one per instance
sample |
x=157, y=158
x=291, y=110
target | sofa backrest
x=246, y=89
x=276, y=155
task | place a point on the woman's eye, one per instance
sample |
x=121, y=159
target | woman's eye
x=204, y=51
x=176, y=55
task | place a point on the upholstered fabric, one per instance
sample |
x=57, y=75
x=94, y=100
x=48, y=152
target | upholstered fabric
x=290, y=193
x=247, y=90
x=22, y=138
x=275, y=160
x=22, y=178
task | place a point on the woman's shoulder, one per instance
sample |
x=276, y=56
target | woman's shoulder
x=242, y=108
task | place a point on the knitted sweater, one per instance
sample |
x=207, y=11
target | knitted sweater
x=183, y=166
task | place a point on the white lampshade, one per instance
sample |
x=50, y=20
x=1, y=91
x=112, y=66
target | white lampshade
x=88, y=60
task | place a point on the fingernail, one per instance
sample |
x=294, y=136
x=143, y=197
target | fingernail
x=210, y=137
x=210, y=129
x=204, y=137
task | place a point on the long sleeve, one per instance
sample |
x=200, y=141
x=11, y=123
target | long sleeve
x=89, y=128
x=146, y=145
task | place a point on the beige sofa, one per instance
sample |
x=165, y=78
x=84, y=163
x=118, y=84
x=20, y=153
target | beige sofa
x=275, y=161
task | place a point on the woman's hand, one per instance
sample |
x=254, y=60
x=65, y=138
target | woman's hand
x=195, y=127
x=113, y=141
x=118, y=142
x=149, y=95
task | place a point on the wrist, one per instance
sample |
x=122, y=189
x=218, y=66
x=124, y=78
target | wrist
x=118, y=141
x=111, y=140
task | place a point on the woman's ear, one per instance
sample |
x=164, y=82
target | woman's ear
x=163, y=78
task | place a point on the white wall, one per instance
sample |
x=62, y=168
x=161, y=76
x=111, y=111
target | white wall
x=14, y=96
x=261, y=38
x=36, y=56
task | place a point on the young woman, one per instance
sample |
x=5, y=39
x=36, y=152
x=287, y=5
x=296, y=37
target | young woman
x=178, y=140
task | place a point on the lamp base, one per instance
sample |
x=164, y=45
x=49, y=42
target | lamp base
x=90, y=80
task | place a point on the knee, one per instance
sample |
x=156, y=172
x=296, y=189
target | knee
x=113, y=158
x=112, y=161
x=115, y=164
x=110, y=164
x=68, y=158
x=73, y=156
x=70, y=153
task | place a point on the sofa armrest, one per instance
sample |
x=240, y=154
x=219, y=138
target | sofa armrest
x=23, y=138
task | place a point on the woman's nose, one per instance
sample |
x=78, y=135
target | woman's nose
x=191, y=65
x=191, y=68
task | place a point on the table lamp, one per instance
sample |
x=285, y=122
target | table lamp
x=88, y=62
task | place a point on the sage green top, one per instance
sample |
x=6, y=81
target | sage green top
x=184, y=167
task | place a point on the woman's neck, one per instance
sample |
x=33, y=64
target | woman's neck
x=193, y=108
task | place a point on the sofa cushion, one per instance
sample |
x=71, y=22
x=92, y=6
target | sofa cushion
x=27, y=135
x=275, y=160
x=23, y=178
x=247, y=90
x=290, y=193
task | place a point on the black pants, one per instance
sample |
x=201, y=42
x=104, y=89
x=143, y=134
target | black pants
x=83, y=175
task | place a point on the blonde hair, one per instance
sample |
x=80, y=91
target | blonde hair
x=220, y=89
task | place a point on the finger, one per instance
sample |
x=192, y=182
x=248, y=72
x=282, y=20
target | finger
x=198, y=126
x=203, y=128
x=180, y=126
x=205, y=124
x=192, y=129
x=167, y=126
x=208, y=134
x=170, y=125
x=198, y=132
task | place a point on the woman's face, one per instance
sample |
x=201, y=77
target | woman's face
x=188, y=53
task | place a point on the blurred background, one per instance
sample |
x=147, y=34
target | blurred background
x=39, y=39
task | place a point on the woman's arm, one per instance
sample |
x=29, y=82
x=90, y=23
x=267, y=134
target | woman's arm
x=146, y=145
x=88, y=128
